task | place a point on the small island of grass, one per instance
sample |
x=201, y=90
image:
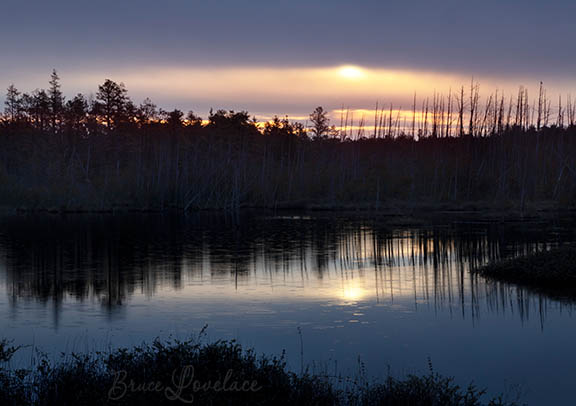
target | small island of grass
x=552, y=271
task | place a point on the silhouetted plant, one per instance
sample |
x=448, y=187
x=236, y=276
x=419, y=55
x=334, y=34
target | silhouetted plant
x=150, y=374
x=111, y=101
x=454, y=150
x=320, y=122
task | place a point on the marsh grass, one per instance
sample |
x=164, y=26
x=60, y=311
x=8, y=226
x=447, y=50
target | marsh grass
x=88, y=379
x=552, y=271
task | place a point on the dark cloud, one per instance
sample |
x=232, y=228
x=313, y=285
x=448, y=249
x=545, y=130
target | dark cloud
x=476, y=37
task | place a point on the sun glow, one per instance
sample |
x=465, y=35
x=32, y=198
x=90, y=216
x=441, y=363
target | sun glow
x=352, y=293
x=350, y=92
x=351, y=72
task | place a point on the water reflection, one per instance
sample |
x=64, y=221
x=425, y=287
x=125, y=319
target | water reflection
x=112, y=259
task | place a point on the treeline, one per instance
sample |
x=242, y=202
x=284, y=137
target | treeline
x=106, y=152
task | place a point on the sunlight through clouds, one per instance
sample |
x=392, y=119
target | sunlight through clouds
x=302, y=85
x=294, y=91
x=351, y=72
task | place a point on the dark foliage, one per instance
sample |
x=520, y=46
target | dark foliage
x=110, y=153
x=152, y=375
x=553, y=271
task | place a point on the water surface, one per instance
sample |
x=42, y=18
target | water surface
x=336, y=288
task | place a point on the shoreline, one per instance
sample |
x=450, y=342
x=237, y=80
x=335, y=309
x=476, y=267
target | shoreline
x=389, y=208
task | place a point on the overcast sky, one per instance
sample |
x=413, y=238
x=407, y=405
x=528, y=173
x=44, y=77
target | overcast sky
x=502, y=43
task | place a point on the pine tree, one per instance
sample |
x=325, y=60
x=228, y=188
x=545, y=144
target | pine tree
x=75, y=112
x=40, y=108
x=13, y=103
x=320, y=122
x=56, y=100
x=111, y=101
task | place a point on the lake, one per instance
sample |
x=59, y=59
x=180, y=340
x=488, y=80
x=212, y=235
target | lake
x=338, y=293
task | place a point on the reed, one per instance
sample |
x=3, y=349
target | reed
x=456, y=149
x=173, y=371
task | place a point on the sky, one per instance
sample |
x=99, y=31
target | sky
x=287, y=57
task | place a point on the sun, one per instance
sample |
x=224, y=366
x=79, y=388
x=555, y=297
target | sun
x=351, y=72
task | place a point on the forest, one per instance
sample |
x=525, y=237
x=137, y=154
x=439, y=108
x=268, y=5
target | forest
x=105, y=153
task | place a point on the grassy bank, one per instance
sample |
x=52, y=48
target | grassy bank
x=220, y=373
x=552, y=271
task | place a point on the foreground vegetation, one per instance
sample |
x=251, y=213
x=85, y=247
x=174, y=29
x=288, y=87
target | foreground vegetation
x=221, y=373
x=108, y=153
x=553, y=271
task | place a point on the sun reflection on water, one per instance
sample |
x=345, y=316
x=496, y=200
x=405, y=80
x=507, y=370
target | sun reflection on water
x=352, y=293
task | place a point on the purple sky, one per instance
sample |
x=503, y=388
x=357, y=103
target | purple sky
x=279, y=57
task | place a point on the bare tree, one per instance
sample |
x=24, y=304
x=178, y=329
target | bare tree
x=147, y=111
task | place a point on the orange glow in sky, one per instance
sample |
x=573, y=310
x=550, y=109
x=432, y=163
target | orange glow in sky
x=351, y=72
x=292, y=91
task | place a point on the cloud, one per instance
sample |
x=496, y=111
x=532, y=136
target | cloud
x=283, y=90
